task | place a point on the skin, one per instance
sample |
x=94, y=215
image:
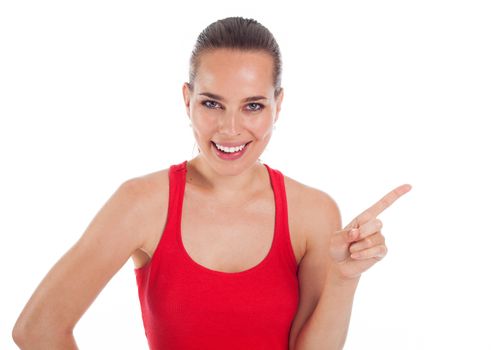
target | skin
x=132, y=219
x=352, y=251
x=361, y=244
x=233, y=75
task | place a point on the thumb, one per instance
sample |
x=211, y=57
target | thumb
x=346, y=235
x=352, y=234
x=340, y=242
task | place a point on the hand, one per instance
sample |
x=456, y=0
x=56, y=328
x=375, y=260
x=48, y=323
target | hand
x=355, y=254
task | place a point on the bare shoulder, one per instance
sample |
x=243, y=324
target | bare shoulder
x=311, y=210
x=314, y=214
x=147, y=186
x=151, y=193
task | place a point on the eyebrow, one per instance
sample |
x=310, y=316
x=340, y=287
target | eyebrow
x=221, y=98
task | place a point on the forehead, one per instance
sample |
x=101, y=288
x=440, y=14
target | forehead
x=230, y=72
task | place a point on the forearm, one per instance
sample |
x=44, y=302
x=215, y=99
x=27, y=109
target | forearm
x=327, y=327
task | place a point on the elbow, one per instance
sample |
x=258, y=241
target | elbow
x=16, y=336
x=27, y=336
x=26, y=341
x=21, y=337
x=19, y=334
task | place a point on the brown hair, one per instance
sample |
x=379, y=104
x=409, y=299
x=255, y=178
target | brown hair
x=238, y=33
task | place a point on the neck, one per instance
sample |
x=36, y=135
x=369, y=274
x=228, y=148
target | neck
x=201, y=174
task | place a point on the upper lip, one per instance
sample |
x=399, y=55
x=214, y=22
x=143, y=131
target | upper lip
x=231, y=144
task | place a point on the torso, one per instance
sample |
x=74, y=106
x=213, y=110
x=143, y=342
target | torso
x=210, y=233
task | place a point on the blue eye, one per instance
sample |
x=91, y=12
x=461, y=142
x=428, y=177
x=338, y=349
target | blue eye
x=256, y=104
x=255, y=107
x=208, y=106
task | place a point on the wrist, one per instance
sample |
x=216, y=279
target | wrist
x=335, y=277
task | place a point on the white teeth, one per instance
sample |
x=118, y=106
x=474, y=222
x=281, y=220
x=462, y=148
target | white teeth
x=230, y=149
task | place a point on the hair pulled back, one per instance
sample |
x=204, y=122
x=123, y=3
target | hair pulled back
x=239, y=33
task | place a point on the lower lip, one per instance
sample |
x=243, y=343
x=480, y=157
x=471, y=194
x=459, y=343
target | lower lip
x=229, y=156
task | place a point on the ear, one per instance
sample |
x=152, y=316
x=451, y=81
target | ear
x=279, y=99
x=186, y=98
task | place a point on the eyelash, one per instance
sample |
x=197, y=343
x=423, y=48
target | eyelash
x=261, y=106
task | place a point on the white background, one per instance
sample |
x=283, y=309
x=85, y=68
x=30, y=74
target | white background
x=377, y=94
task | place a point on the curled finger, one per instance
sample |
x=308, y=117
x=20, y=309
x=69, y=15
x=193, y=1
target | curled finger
x=377, y=252
x=368, y=242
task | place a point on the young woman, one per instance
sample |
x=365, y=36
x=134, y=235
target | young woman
x=229, y=253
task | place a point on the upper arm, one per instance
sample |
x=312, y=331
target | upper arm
x=81, y=273
x=323, y=219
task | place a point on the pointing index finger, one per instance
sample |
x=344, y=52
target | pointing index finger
x=380, y=205
x=388, y=200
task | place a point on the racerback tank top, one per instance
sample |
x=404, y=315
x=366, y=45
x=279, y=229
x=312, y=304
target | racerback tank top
x=186, y=306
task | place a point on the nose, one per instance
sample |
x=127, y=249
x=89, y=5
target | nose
x=229, y=123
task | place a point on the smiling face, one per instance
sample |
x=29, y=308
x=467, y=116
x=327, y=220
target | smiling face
x=232, y=104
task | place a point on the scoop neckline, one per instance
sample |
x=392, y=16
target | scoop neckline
x=201, y=267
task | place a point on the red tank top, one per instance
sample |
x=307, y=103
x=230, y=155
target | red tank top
x=187, y=306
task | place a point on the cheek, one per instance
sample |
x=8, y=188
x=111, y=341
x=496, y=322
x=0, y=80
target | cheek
x=263, y=128
x=203, y=121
